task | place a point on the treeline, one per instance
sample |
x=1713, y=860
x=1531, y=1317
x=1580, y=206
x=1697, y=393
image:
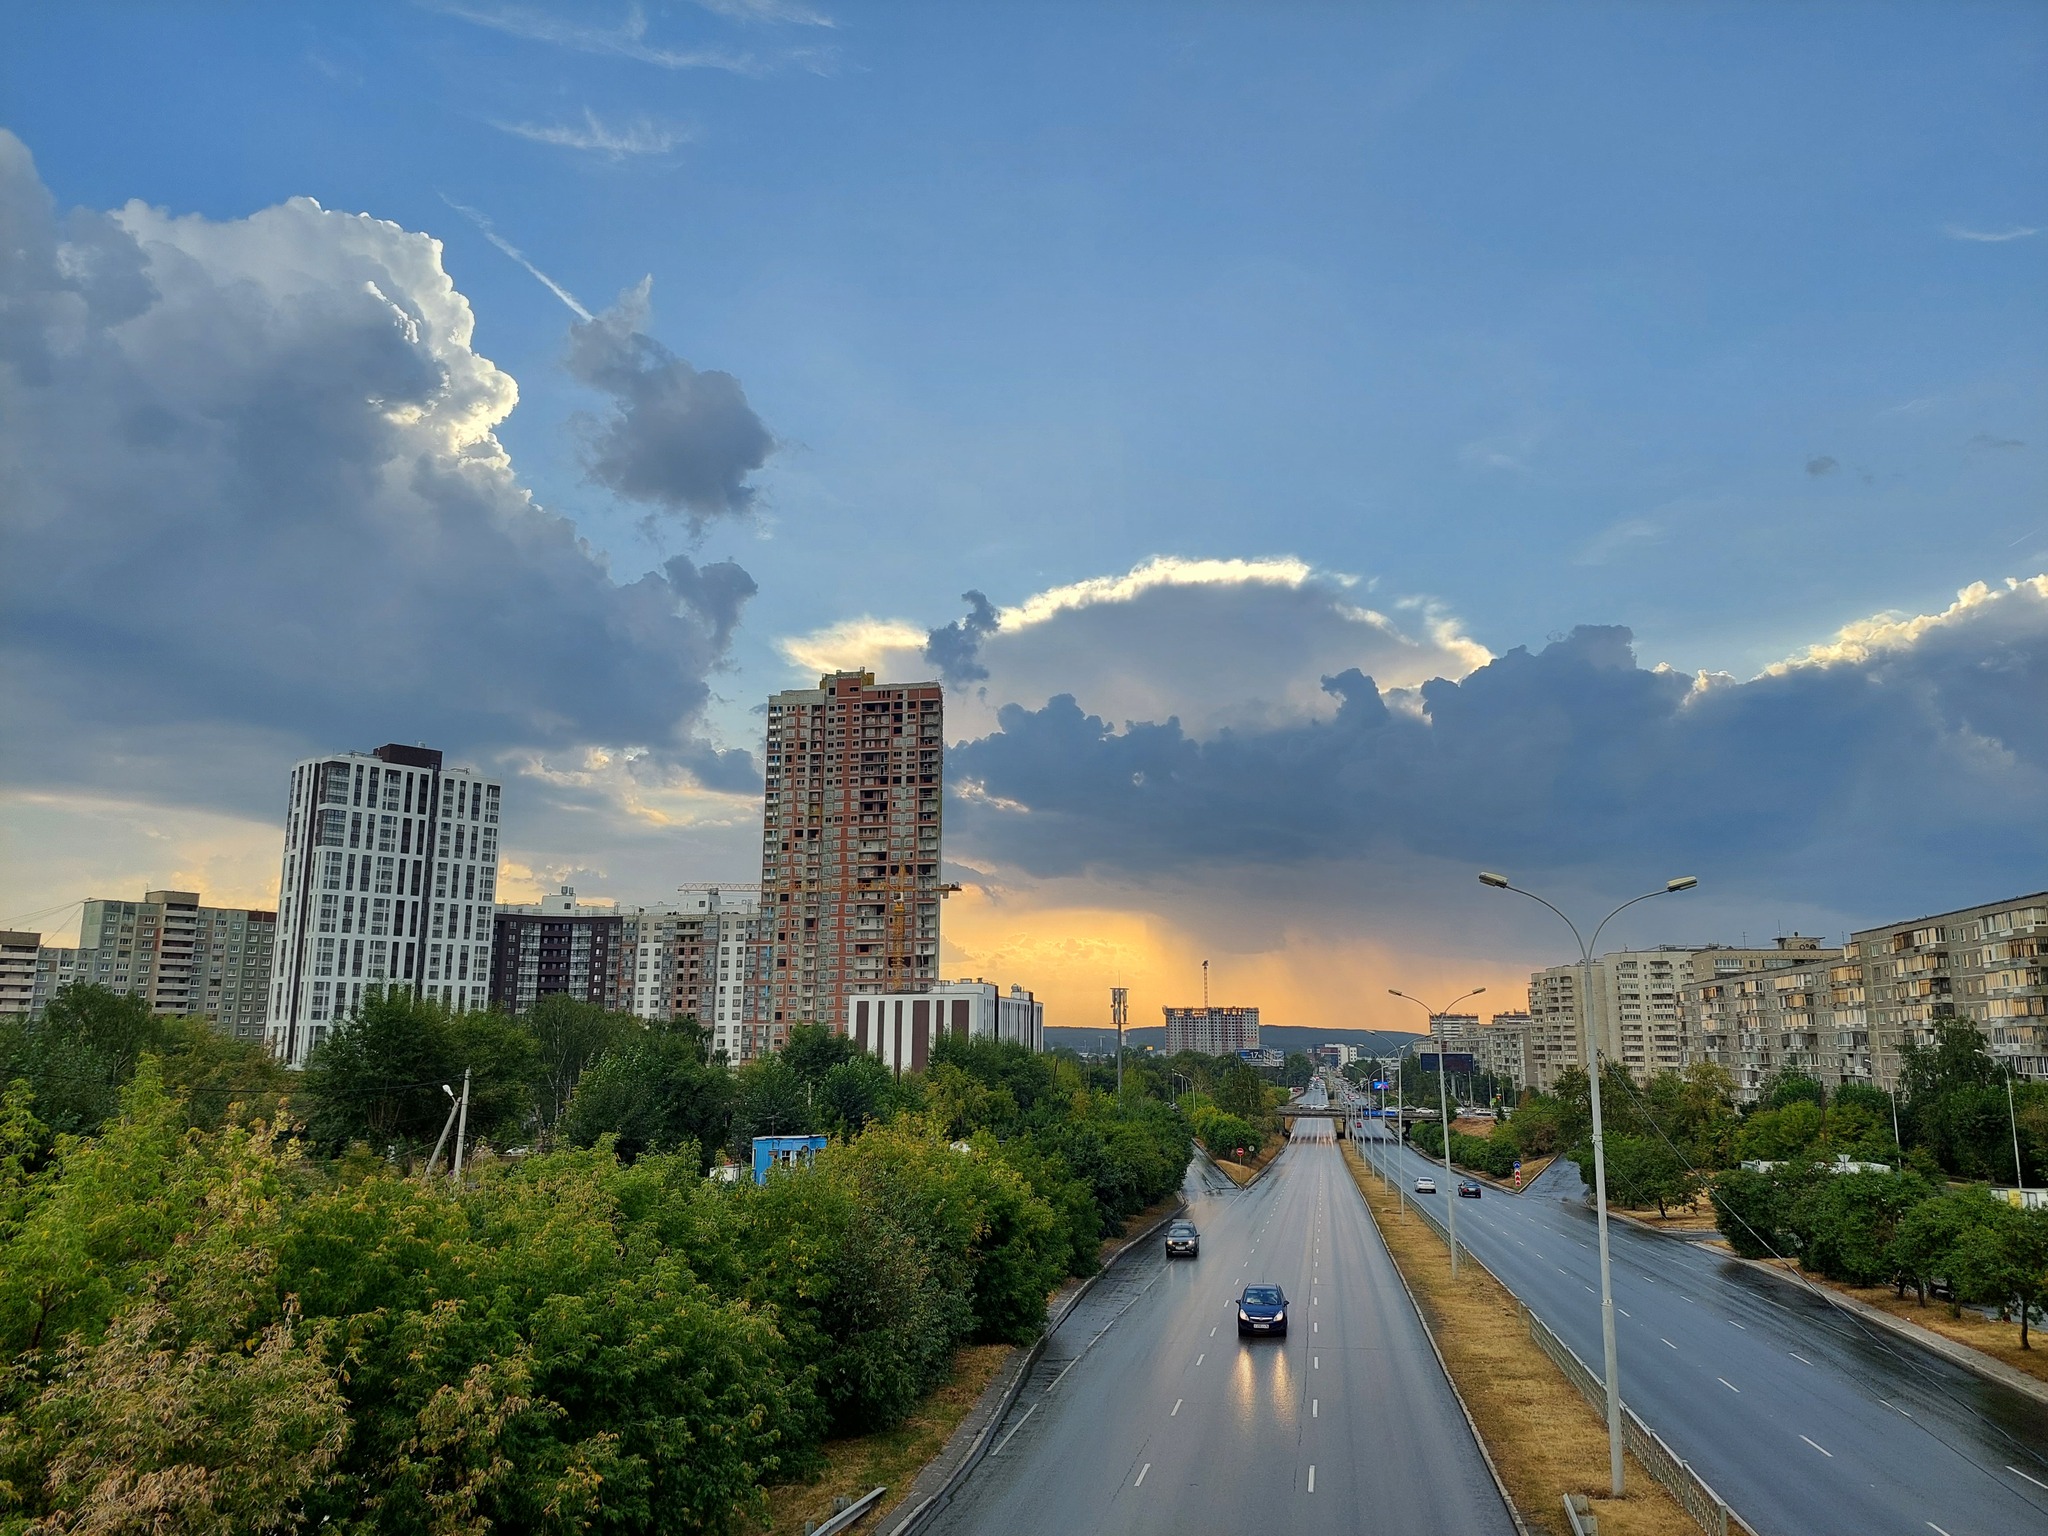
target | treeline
x=252, y=1313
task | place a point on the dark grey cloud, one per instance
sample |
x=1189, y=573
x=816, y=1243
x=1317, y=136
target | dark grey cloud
x=251, y=493
x=955, y=648
x=1901, y=770
x=676, y=439
x=1823, y=464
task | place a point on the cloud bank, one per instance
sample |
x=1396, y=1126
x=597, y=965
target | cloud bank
x=254, y=505
x=1898, y=764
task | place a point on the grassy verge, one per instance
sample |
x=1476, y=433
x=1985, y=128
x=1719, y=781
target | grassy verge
x=2001, y=1341
x=893, y=1457
x=1241, y=1173
x=1546, y=1439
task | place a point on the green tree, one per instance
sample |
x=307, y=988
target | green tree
x=812, y=1051
x=569, y=1035
x=1643, y=1171
x=1298, y=1071
x=770, y=1100
x=854, y=1094
x=1928, y=1236
x=2003, y=1260
x=1848, y=1224
x=654, y=1090
x=1240, y=1091
x=1779, y=1135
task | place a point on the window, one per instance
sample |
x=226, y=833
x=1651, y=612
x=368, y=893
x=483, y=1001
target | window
x=323, y=959
x=330, y=829
x=330, y=871
x=387, y=834
x=384, y=876
x=327, y=913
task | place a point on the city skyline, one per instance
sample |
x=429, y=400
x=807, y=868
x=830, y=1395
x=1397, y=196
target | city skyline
x=1473, y=494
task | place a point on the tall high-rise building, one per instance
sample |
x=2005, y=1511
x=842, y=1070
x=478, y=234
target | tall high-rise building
x=390, y=871
x=849, y=851
x=695, y=960
x=558, y=945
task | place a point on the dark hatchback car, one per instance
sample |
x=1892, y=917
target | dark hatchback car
x=1468, y=1189
x=1183, y=1241
x=1262, y=1309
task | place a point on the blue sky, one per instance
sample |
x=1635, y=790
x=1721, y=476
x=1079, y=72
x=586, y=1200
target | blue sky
x=1722, y=323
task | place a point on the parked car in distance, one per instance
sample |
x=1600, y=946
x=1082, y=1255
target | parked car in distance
x=1468, y=1189
x=1425, y=1185
x=1182, y=1240
x=1261, y=1309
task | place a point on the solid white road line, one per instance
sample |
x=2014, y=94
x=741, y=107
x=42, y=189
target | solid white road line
x=1141, y=1475
x=1176, y=1407
x=2016, y=1472
x=1013, y=1430
x=1734, y=1388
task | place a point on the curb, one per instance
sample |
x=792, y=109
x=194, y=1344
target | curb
x=937, y=1500
x=1486, y=1455
x=1973, y=1360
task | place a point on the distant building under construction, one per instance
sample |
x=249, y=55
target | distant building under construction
x=1212, y=1031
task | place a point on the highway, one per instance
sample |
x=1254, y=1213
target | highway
x=1800, y=1418
x=1147, y=1414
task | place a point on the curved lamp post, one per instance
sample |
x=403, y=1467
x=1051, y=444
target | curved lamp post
x=1443, y=1108
x=1613, y=1370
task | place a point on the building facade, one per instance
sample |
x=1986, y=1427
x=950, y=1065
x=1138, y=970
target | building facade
x=1209, y=1031
x=696, y=959
x=389, y=880
x=1986, y=964
x=18, y=970
x=182, y=956
x=1806, y=1016
x=850, y=840
x=1502, y=1047
x=902, y=1027
x=57, y=966
x=556, y=946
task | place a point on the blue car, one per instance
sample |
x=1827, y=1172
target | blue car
x=1262, y=1309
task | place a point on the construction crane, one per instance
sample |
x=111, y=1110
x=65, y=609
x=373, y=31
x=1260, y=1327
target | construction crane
x=899, y=912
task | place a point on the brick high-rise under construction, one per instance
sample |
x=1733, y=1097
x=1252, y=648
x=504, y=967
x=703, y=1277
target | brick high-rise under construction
x=849, y=850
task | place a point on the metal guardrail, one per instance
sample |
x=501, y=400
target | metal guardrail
x=848, y=1515
x=1694, y=1494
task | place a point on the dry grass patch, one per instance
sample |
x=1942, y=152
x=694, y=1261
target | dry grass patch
x=894, y=1457
x=1545, y=1438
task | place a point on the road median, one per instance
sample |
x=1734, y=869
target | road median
x=1544, y=1438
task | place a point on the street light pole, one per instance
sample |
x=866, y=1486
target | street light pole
x=1443, y=1100
x=1613, y=1367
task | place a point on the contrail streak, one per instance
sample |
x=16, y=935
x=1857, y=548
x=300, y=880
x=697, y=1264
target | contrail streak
x=483, y=224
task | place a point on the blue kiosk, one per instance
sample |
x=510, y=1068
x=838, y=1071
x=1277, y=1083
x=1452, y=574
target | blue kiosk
x=784, y=1152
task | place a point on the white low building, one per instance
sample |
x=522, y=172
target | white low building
x=902, y=1027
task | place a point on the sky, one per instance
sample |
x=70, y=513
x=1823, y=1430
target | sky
x=1324, y=451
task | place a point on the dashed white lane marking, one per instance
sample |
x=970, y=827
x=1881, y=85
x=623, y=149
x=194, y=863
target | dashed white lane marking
x=1819, y=1447
x=1200, y=1358
x=1311, y=1477
x=1315, y=1411
x=1938, y=1531
x=1734, y=1324
x=1013, y=1430
x=1798, y=1356
x=2016, y=1472
x=1315, y=1327
x=1734, y=1388
x=1212, y=1331
x=1315, y=1362
x=1176, y=1407
x=1141, y=1475
x=1666, y=1342
x=1624, y=1311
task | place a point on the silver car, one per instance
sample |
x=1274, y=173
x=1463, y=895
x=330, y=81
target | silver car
x=1425, y=1185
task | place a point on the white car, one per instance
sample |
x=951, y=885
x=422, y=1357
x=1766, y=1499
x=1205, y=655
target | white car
x=1425, y=1185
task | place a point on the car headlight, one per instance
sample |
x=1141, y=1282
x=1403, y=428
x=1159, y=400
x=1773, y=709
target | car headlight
x=1280, y=1317
x=1243, y=1316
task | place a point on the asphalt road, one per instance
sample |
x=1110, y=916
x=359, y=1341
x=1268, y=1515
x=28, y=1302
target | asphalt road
x=1805, y=1420
x=1147, y=1414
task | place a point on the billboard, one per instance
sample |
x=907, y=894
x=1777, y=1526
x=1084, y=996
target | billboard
x=1456, y=1061
x=1263, y=1058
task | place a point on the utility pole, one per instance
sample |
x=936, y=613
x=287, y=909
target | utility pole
x=1119, y=1012
x=461, y=1124
x=2019, y=1170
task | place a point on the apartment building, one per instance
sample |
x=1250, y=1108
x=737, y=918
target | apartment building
x=1217, y=1031
x=556, y=946
x=1637, y=1005
x=389, y=880
x=172, y=950
x=1501, y=1047
x=696, y=959
x=1987, y=964
x=850, y=838
x=57, y=966
x=902, y=1028
x=18, y=970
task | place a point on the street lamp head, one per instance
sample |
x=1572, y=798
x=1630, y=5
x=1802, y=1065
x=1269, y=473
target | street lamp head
x=447, y=1090
x=1391, y=992
x=1475, y=991
x=1682, y=883
x=1488, y=877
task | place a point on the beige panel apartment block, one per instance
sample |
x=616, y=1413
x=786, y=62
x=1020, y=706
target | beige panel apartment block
x=1987, y=964
x=183, y=956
